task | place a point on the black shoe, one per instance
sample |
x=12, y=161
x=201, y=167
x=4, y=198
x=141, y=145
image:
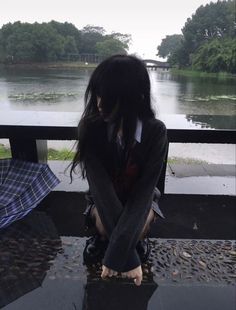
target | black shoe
x=143, y=249
x=94, y=250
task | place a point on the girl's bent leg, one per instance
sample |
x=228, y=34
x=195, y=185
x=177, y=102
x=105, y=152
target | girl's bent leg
x=151, y=218
x=98, y=223
x=142, y=247
x=102, y=232
x=96, y=245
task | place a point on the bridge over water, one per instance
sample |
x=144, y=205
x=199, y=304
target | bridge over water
x=95, y=58
x=154, y=64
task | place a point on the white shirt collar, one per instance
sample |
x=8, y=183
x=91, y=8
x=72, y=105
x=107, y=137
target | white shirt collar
x=138, y=131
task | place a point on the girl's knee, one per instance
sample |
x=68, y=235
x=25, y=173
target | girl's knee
x=151, y=218
x=99, y=226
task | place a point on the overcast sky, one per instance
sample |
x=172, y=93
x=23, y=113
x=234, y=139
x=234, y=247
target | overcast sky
x=148, y=21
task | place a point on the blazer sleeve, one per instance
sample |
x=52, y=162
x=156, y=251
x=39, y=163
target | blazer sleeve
x=108, y=204
x=104, y=195
x=126, y=233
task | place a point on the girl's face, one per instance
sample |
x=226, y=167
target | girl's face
x=99, y=105
x=110, y=117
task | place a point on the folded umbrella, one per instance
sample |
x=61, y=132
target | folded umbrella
x=22, y=186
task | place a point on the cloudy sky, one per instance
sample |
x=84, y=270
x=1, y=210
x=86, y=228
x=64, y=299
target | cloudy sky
x=148, y=21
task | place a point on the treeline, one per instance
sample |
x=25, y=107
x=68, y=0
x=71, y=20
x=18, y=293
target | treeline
x=53, y=41
x=207, y=42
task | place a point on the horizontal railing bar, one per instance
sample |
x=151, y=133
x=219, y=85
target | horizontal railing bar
x=70, y=133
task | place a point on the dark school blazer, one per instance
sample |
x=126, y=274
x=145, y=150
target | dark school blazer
x=124, y=223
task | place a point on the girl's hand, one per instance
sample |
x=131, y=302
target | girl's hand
x=106, y=272
x=136, y=274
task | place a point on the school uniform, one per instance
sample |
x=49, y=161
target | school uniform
x=123, y=186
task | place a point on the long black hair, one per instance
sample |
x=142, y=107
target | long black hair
x=122, y=83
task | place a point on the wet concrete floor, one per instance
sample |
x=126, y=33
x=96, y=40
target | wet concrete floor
x=42, y=269
x=181, y=178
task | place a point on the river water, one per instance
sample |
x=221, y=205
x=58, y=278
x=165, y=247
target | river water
x=63, y=90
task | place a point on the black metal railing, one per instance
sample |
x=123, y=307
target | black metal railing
x=28, y=132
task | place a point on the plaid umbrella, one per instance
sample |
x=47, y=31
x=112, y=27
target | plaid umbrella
x=22, y=186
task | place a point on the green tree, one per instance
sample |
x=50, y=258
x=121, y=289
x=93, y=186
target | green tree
x=179, y=57
x=6, y=31
x=169, y=45
x=216, y=55
x=20, y=47
x=204, y=36
x=68, y=30
x=48, y=44
x=90, y=36
x=70, y=46
x=25, y=42
x=17, y=42
x=110, y=47
x=215, y=20
x=2, y=51
x=126, y=39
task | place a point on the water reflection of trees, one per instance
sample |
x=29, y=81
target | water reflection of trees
x=213, y=121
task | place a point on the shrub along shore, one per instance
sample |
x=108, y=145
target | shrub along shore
x=81, y=65
x=194, y=73
x=50, y=65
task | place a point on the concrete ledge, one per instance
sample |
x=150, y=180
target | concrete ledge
x=187, y=216
x=180, y=179
x=188, y=170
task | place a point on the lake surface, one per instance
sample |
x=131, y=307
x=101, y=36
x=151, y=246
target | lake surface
x=63, y=90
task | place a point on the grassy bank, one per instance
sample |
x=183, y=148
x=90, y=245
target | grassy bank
x=63, y=154
x=66, y=154
x=193, y=73
x=53, y=154
x=4, y=152
x=52, y=65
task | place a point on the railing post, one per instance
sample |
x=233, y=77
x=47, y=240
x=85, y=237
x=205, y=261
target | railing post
x=29, y=149
x=161, y=182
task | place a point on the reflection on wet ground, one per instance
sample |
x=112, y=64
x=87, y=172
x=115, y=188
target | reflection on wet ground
x=41, y=270
x=27, y=249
